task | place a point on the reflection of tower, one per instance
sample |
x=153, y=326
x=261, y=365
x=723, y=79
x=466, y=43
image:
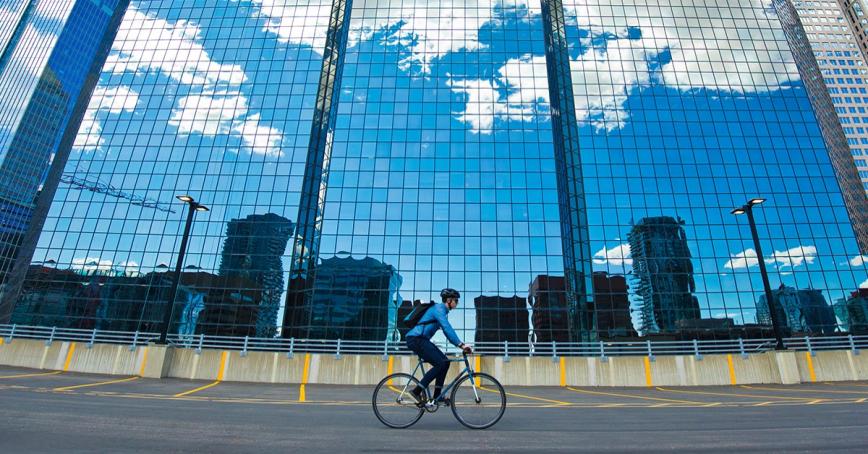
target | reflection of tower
x=253, y=249
x=352, y=300
x=548, y=300
x=662, y=266
x=42, y=115
x=801, y=311
x=611, y=306
x=856, y=312
x=499, y=319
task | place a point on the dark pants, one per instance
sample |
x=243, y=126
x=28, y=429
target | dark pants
x=432, y=355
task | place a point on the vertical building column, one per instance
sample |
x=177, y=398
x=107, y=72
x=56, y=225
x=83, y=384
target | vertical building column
x=571, y=195
x=854, y=195
x=305, y=250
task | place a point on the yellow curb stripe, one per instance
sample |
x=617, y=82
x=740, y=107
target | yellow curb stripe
x=2, y=340
x=69, y=356
x=144, y=361
x=390, y=369
x=811, y=366
x=88, y=385
x=658, y=399
x=302, y=397
x=477, y=364
x=731, y=369
x=220, y=372
x=563, y=364
x=32, y=375
x=209, y=385
x=648, y=381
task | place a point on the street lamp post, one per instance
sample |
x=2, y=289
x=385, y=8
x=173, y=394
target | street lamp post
x=193, y=207
x=747, y=208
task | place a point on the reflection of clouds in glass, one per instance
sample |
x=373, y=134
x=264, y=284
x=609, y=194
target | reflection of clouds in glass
x=616, y=256
x=225, y=113
x=864, y=284
x=791, y=258
x=297, y=21
x=523, y=80
x=859, y=260
x=113, y=100
x=146, y=43
x=91, y=264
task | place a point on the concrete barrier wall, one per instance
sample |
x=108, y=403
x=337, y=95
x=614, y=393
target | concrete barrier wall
x=270, y=367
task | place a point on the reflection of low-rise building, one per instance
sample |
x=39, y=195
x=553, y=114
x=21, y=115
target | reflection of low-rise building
x=852, y=312
x=501, y=319
x=664, y=274
x=350, y=299
x=611, y=306
x=548, y=301
x=803, y=311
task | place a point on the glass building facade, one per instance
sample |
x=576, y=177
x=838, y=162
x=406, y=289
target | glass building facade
x=569, y=165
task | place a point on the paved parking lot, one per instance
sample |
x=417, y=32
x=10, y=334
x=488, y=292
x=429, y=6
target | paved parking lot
x=52, y=411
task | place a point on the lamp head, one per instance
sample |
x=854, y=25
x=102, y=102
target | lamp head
x=185, y=198
x=756, y=201
x=201, y=208
x=738, y=211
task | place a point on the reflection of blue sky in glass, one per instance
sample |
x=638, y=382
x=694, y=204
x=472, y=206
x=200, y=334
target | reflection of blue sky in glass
x=443, y=164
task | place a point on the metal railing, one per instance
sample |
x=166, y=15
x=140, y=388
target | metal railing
x=338, y=347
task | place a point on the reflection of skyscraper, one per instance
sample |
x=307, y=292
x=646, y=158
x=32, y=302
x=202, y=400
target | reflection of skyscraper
x=664, y=271
x=611, y=306
x=499, y=319
x=253, y=249
x=41, y=115
x=854, y=312
x=352, y=299
x=800, y=311
x=549, y=304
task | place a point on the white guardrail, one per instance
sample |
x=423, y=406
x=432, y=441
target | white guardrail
x=506, y=349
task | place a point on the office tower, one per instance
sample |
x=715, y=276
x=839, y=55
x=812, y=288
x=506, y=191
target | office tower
x=501, y=319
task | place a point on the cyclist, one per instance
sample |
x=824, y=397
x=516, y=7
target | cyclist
x=419, y=341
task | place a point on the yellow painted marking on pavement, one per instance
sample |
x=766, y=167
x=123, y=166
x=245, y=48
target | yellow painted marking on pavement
x=69, y=356
x=763, y=404
x=220, y=372
x=757, y=396
x=816, y=401
x=32, y=375
x=390, y=369
x=304, y=374
x=144, y=361
x=859, y=401
x=563, y=371
x=523, y=396
x=657, y=399
x=713, y=404
x=88, y=385
x=802, y=390
x=811, y=366
x=209, y=385
x=648, y=381
x=731, y=369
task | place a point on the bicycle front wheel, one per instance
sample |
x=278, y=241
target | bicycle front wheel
x=479, y=406
x=393, y=404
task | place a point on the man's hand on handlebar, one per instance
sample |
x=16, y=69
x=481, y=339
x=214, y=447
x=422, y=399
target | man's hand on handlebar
x=466, y=349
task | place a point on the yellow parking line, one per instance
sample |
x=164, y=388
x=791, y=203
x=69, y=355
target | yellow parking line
x=33, y=375
x=69, y=356
x=658, y=399
x=88, y=385
x=757, y=396
x=220, y=372
x=523, y=396
x=304, y=374
x=802, y=390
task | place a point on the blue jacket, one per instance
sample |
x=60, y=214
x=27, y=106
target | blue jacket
x=437, y=317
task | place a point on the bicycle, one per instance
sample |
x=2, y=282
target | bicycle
x=479, y=404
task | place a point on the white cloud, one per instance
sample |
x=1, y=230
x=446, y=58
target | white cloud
x=859, y=260
x=91, y=264
x=114, y=100
x=523, y=79
x=793, y=257
x=226, y=113
x=864, y=284
x=744, y=259
x=616, y=256
x=299, y=21
x=147, y=43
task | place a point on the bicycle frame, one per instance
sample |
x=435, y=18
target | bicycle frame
x=445, y=391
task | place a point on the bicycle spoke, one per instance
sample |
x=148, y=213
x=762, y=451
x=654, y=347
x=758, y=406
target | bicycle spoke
x=481, y=407
x=393, y=404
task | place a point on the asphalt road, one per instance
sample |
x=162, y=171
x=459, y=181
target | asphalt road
x=67, y=412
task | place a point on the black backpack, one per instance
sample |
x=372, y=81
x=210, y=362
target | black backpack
x=412, y=319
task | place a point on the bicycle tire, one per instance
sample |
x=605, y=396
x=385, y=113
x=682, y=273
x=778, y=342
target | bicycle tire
x=385, y=385
x=498, y=388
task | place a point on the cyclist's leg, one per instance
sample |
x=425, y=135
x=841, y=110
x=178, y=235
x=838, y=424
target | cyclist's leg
x=441, y=377
x=439, y=362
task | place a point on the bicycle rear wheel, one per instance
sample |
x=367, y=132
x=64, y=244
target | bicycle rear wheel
x=478, y=407
x=393, y=404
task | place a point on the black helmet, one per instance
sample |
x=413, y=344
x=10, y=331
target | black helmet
x=449, y=293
